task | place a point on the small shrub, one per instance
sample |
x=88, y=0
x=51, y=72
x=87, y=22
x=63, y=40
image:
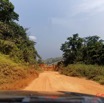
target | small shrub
x=93, y=72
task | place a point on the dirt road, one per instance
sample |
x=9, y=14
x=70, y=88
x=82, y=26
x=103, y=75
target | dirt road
x=53, y=81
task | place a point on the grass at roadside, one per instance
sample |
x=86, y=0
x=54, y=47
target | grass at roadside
x=20, y=84
x=93, y=72
x=11, y=72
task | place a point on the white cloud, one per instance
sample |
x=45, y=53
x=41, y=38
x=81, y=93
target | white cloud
x=90, y=6
x=32, y=37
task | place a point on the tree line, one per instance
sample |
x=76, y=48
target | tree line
x=13, y=37
x=52, y=60
x=88, y=50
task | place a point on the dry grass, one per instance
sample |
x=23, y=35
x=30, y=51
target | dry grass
x=20, y=84
x=13, y=75
x=93, y=72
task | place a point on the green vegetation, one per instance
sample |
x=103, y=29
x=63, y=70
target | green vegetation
x=13, y=37
x=7, y=13
x=17, y=51
x=52, y=60
x=11, y=71
x=14, y=75
x=93, y=72
x=83, y=57
x=88, y=50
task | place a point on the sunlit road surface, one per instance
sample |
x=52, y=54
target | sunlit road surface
x=53, y=81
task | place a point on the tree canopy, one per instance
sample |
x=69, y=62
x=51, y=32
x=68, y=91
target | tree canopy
x=7, y=11
x=89, y=50
x=13, y=37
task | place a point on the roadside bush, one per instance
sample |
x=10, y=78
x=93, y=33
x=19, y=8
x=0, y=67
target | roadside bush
x=11, y=71
x=93, y=72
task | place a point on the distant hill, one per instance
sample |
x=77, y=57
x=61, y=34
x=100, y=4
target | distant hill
x=53, y=60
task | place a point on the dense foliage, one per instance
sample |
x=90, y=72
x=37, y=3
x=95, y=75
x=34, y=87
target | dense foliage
x=13, y=37
x=88, y=50
x=93, y=72
x=7, y=13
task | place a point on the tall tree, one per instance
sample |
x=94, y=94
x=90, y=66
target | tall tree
x=72, y=48
x=13, y=37
x=7, y=11
x=92, y=48
x=89, y=50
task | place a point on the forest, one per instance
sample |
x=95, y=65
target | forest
x=13, y=37
x=88, y=50
x=83, y=57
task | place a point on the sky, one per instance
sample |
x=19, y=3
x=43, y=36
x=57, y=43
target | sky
x=50, y=22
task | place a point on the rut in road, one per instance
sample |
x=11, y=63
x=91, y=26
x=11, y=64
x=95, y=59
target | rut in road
x=53, y=81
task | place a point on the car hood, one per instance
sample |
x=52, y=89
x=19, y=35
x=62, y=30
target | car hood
x=42, y=93
x=48, y=96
